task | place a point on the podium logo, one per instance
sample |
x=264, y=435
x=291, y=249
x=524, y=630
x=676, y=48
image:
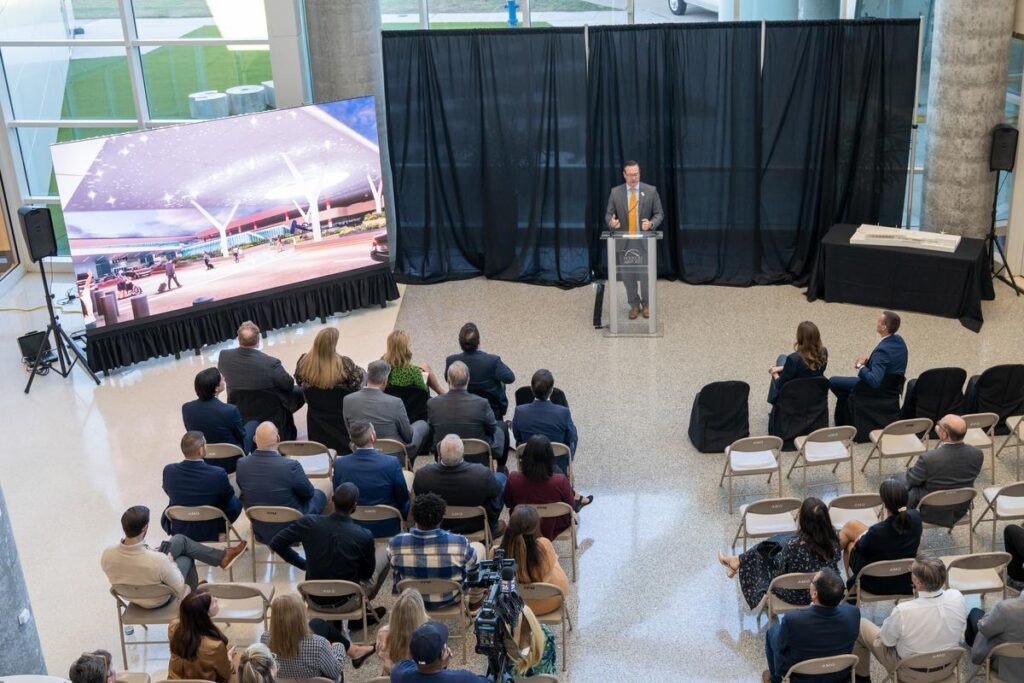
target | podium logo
x=632, y=257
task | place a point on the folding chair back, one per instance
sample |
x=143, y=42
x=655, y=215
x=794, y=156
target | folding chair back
x=884, y=569
x=524, y=395
x=752, y=455
x=560, y=509
x=826, y=446
x=457, y=611
x=766, y=518
x=478, y=451
x=243, y=603
x=999, y=389
x=318, y=679
x=720, y=415
x=563, y=459
x=269, y=514
x=932, y=660
x=466, y=513
x=978, y=573
x=937, y=392
x=981, y=428
x=863, y=507
x=207, y=513
x=220, y=451
x=952, y=500
x=316, y=459
x=822, y=666
x=130, y=614
x=379, y=513
x=348, y=596
x=1007, y=650
x=801, y=408
x=396, y=448
x=775, y=605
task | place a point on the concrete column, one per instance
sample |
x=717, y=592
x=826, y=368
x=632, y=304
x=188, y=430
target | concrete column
x=966, y=95
x=21, y=652
x=817, y=9
x=346, y=60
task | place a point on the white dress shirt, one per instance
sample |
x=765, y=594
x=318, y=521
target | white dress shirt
x=933, y=621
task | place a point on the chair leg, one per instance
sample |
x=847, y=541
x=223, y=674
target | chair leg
x=780, y=476
x=736, y=538
x=730, y=493
x=795, y=461
x=871, y=453
x=565, y=644
x=852, y=476
x=124, y=645
x=724, y=470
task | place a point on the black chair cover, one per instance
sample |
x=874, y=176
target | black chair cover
x=802, y=407
x=1000, y=390
x=325, y=420
x=265, y=405
x=868, y=409
x=525, y=395
x=414, y=398
x=936, y=393
x=720, y=416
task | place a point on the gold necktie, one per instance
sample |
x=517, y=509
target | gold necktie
x=632, y=211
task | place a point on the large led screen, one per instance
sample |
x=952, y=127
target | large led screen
x=173, y=217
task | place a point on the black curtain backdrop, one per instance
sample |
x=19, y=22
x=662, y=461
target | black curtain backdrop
x=487, y=132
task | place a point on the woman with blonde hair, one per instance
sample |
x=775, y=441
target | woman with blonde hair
x=256, y=664
x=809, y=359
x=405, y=373
x=308, y=649
x=324, y=368
x=407, y=615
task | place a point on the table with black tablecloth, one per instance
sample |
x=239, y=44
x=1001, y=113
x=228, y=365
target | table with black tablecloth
x=903, y=279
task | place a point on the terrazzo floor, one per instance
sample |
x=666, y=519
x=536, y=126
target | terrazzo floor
x=651, y=602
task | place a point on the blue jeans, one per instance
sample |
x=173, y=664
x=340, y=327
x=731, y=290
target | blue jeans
x=770, y=654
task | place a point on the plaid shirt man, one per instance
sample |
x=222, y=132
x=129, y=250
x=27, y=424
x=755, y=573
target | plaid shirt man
x=434, y=554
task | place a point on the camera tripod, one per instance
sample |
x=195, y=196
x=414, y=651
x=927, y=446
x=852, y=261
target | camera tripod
x=992, y=244
x=62, y=344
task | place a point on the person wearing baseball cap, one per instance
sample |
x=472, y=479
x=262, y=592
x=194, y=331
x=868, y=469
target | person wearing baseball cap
x=430, y=654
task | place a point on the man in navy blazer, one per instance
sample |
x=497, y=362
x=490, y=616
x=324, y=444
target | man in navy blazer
x=544, y=417
x=218, y=421
x=487, y=374
x=192, y=482
x=268, y=478
x=378, y=476
x=827, y=628
x=888, y=358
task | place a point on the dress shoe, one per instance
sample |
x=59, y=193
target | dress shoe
x=766, y=677
x=633, y=313
x=231, y=554
x=647, y=311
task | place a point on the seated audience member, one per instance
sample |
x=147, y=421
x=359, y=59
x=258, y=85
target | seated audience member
x=133, y=563
x=324, y=368
x=335, y=547
x=1004, y=624
x=828, y=628
x=386, y=413
x=1013, y=542
x=199, y=650
x=256, y=664
x=265, y=477
x=539, y=482
x=544, y=417
x=487, y=374
x=405, y=373
x=932, y=621
x=430, y=657
x=307, y=649
x=464, y=414
x=427, y=551
x=813, y=547
x=407, y=615
x=378, y=476
x=897, y=537
x=809, y=359
x=193, y=482
x=465, y=484
x=954, y=464
x=218, y=421
x=249, y=369
x=93, y=667
x=535, y=556
x=888, y=358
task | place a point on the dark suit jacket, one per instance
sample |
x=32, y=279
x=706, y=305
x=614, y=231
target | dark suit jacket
x=487, y=377
x=547, y=418
x=335, y=546
x=888, y=358
x=249, y=369
x=950, y=466
x=385, y=412
x=814, y=632
x=648, y=206
x=466, y=484
x=269, y=478
x=380, y=481
x=794, y=368
x=193, y=483
x=218, y=421
x=462, y=413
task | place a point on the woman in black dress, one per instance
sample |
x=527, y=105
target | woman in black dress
x=895, y=538
x=815, y=545
x=809, y=359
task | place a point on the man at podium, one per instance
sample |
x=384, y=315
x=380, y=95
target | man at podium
x=632, y=207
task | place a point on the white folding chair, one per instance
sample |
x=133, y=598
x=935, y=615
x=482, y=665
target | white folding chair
x=1007, y=650
x=766, y=518
x=130, y=614
x=316, y=459
x=978, y=573
x=931, y=660
x=1015, y=423
x=242, y=603
x=1002, y=503
x=560, y=509
x=826, y=446
x=753, y=455
x=208, y=513
x=863, y=507
x=820, y=667
x=558, y=617
x=947, y=499
x=348, y=596
x=900, y=439
x=457, y=611
x=981, y=429
x=272, y=514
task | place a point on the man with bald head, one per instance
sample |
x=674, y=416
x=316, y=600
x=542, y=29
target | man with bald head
x=464, y=414
x=953, y=465
x=249, y=369
x=268, y=478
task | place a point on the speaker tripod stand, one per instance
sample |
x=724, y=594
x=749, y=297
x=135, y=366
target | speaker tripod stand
x=62, y=344
x=992, y=244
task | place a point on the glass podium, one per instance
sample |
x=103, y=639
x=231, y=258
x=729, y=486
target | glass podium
x=632, y=283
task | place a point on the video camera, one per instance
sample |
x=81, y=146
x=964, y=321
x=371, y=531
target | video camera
x=496, y=622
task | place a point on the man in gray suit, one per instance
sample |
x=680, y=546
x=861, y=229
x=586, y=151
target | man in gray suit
x=464, y=414
x=632, y=207
x=953, y=465
x=249, y=369
x=386, y=413
x=1004, y=624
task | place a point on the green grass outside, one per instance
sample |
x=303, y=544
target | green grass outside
x=144, y=9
